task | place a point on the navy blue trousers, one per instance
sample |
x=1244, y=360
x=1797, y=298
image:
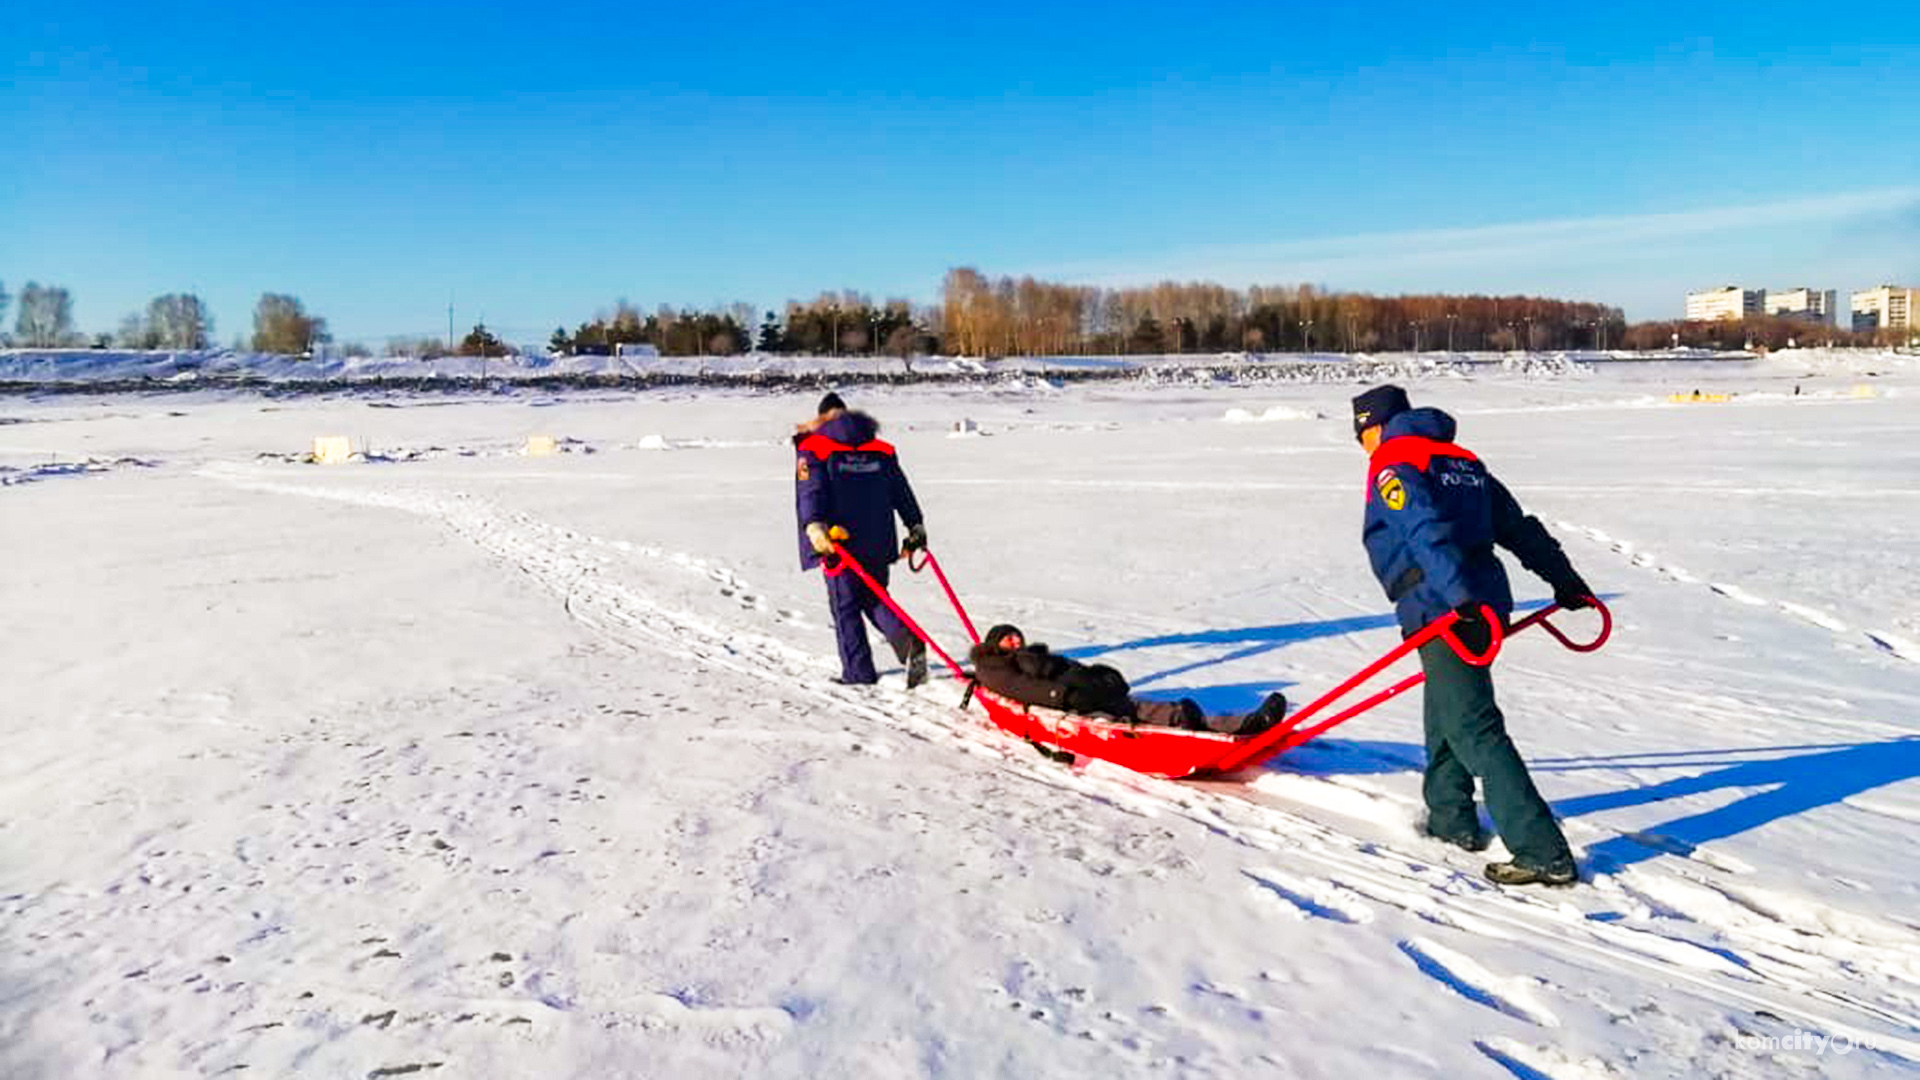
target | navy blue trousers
x=854, y=605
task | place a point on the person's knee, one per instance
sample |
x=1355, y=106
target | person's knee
x=1491, y=754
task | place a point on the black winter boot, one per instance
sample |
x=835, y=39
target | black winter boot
x=1477, y=840
x=913, y=653
x=1271, y=711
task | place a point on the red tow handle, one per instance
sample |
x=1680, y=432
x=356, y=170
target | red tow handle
x=926, y=559
x=1296, y=730
x=1539, y=618
x=1444, y=628
x=844, y=561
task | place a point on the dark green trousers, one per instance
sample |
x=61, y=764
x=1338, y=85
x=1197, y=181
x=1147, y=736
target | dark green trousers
x=1467, y=738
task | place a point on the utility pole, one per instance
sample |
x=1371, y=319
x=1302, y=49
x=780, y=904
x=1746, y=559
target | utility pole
x=449, y=322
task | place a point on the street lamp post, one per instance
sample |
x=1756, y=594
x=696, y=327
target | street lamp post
x=1450, y=319
x=1306, y=333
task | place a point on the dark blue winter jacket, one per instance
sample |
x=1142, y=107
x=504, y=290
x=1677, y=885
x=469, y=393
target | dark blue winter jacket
x=1434, y=514
x=845, y=476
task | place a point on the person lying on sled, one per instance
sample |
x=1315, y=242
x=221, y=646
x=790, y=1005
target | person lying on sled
x=1032, y=675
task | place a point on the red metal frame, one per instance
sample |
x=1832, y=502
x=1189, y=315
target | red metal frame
x=1174, y=752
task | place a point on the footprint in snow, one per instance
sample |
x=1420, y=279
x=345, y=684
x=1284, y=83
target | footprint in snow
x=1735, y=592
x=1898, y=646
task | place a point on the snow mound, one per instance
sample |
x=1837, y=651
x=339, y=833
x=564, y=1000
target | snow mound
x=1272, y=414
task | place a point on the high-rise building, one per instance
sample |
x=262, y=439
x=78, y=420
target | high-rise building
x=1887, y=307
x=1727, y=302
x=1809, y=305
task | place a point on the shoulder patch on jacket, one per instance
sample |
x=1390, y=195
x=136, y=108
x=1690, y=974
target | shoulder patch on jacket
x=801, y=470
x=1392, y=491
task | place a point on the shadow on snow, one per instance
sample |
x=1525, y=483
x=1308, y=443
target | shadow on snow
x=1814, y=776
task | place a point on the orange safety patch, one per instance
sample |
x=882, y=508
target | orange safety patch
x=802, y=471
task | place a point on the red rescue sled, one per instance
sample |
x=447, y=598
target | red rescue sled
x=1175, y=752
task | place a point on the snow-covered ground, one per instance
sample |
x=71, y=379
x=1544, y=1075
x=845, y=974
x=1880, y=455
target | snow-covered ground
x=464, y=762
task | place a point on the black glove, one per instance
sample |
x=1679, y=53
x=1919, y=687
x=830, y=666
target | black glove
x=1472, y=629
x=916, y=539
x=1573, y=594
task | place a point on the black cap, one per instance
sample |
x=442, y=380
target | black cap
x=992, y=640
x=1377, y=406
x=830, y=403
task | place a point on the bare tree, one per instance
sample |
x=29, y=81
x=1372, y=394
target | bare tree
x=282, y=325
x=134, y=333
x=178, y=321
x=46, y=316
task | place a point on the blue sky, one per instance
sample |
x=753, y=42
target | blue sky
x=539, y=162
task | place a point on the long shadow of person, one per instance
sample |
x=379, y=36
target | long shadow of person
x=1821, y=776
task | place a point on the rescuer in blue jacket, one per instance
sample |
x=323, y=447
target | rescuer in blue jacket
x=846, y=478
x=1434, y=515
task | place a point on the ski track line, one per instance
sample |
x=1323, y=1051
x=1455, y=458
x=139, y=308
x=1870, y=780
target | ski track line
x=1468, y=978
x=1547, y=1062
x=1881, y=639
x=1361, y=868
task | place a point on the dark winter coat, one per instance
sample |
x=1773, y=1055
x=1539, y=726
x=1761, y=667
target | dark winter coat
x=1034, y=676
x=1434, y=514
x=845, y=476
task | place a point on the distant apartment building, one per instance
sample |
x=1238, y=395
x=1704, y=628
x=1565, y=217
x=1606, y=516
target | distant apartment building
x=1889, y=307
x=1729, y=302
x=1808, y=305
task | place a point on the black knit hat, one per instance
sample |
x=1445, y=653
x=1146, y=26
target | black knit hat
x=829, y=403
x=1377, y=406
x=992, y=640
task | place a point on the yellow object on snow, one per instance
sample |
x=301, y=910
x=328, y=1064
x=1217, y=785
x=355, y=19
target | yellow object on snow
x=1862, y=390
x=1698, y=398
x=332, y=450
x=541, y=446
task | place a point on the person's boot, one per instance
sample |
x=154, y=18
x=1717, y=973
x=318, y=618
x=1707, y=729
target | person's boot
x=1477, y=840
x=917, y=664
x=1271, y=711
x=1194, y=718
x=1517, y=873
x=913, y=653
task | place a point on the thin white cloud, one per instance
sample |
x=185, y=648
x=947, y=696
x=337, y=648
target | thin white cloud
x=1564, y=249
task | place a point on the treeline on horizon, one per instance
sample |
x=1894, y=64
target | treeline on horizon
x=988, y=317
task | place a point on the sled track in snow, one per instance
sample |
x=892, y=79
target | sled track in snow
x=1828, y=970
